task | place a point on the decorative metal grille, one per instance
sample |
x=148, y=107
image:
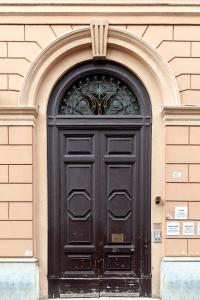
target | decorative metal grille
x=99, y=94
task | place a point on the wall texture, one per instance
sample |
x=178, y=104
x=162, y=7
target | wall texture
x=16, y=230
x=179, y=45
x=173, y=30
x=19, y=46
x=182, y=153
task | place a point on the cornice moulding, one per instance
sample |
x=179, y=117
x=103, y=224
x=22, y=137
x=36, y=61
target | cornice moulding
x=19, y=116
x=97, y=7
x=100, y=2
x=18, y=110
x=181, y=110
x=181, y=115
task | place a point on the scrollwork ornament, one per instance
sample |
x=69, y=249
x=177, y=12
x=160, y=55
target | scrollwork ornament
x=99, y=94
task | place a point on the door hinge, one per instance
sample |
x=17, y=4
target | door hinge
x=146, y=243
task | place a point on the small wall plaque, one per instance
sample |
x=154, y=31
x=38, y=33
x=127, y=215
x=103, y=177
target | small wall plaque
x=176, y=174
x=188, y=228
x=181, y=212
x=198, y=228
x=173, y=228
x=117, y=238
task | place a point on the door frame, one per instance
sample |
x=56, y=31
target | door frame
x=62, y=55
x=56, y=122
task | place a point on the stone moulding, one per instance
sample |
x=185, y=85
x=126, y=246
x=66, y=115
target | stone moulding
x=181, y=115
x=119, y=12
x=119, y=6
x=116, y=38
x=18, y=115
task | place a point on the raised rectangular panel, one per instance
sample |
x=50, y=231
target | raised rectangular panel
x=117, y=145
x=120, y=227
x=79, y=178
x=79, y=145
x=119, y=262
x=79, y=262
x=115, y=174
x=79, y=231
x=79, y=206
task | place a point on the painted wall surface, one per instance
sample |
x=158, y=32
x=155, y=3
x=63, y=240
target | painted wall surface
x=182, y=153
x=19, y=46
x=16, y=230
x=25, y=36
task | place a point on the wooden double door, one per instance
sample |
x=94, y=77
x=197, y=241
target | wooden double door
x=99, y=212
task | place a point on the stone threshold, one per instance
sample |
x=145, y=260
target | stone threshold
x=108, y=298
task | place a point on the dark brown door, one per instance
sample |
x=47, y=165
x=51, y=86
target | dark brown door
x=99, y=157
x=99, y=213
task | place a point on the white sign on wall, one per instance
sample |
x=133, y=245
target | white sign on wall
x=198, y=228
x=188, y=228
x=181, y=212
x=173, y=228
x=176, y=174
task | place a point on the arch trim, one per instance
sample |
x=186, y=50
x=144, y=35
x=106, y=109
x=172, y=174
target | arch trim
x=116, y=38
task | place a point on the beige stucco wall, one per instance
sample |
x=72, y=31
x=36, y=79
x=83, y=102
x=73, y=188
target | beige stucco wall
x=20, y=44
x=182, y=153
x=176, y=142
x=16, y=228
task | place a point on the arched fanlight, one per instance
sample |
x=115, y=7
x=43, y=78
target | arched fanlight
x=99, y=94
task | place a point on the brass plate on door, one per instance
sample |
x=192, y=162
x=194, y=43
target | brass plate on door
x=117, y=238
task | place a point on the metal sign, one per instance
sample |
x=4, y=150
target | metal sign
x=117, y=238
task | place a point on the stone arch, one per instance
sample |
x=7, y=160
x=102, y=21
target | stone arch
x=78, y=41
x=54, y=61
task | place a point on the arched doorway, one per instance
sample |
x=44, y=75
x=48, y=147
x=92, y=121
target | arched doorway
x=99, y=154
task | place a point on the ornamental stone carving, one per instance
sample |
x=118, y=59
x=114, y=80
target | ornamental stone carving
x=99, y=33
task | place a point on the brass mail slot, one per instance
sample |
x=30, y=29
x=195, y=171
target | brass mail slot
x=117, y=238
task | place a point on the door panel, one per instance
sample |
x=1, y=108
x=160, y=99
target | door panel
x=78, y=203
x=99, y=208
x=119, y=159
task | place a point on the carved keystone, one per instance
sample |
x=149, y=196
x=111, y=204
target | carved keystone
x=99, y=34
